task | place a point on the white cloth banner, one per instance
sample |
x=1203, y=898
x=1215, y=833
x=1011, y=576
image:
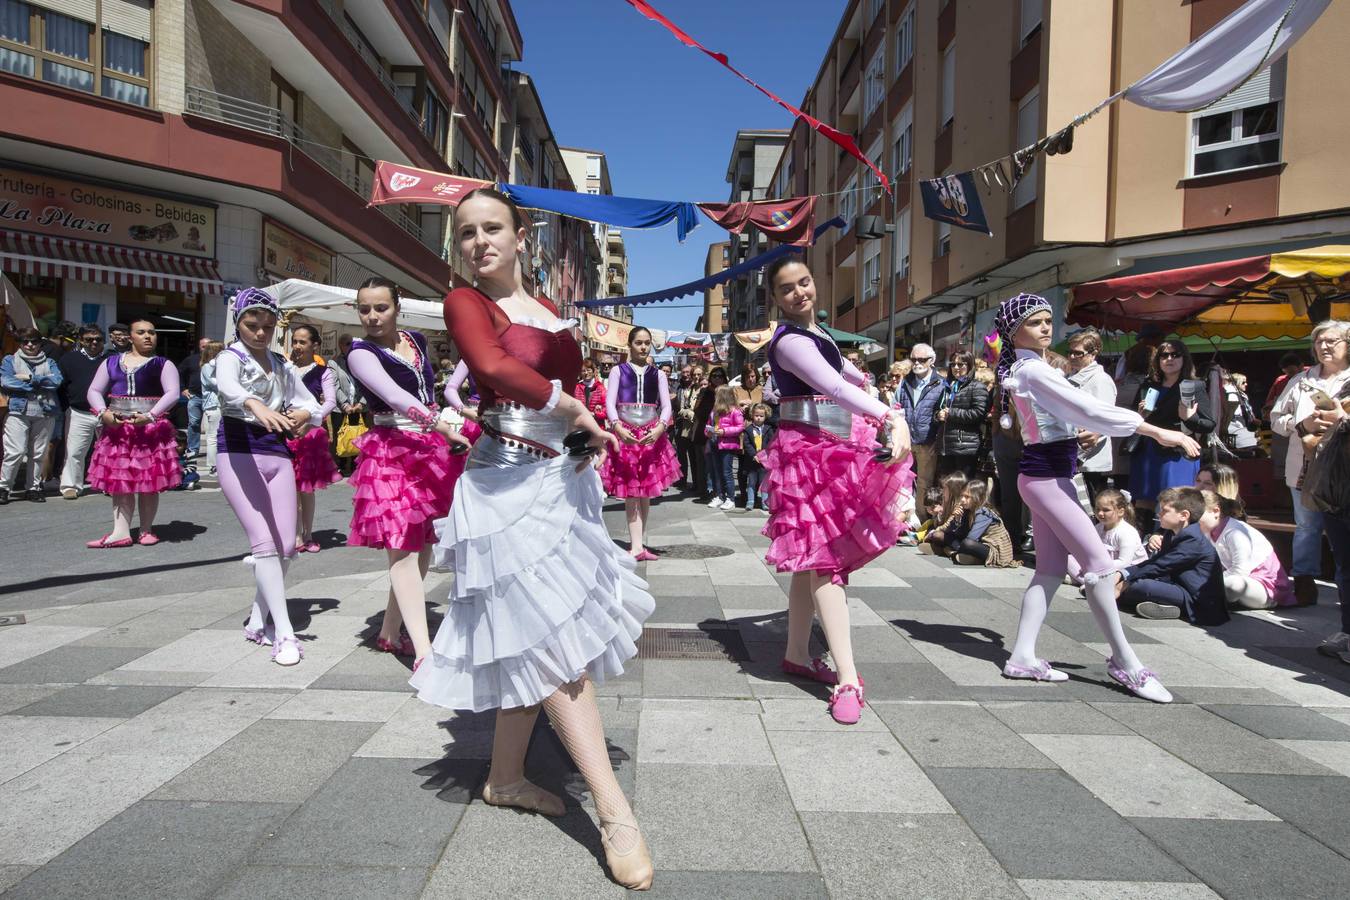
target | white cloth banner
x=1251, y=38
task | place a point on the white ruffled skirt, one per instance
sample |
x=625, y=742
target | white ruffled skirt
x=541, y=595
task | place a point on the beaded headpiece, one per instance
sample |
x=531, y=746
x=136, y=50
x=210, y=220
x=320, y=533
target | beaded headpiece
x=253, y=298
x=1011, y=314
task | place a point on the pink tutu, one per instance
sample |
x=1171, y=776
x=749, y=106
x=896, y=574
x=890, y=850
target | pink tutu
x=834, y=508
x=1273, y=578
x=402, y=484
x=314, y=466
x=459, y=460
x=136, y=459
x=641, y=470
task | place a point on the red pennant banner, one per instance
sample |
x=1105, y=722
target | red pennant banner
x=831, y=134
x=786, y=221
x=396, y=183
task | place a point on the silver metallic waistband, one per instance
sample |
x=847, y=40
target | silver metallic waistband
x=638, y=413
x=818, y=412
x=395, y=420
x=132, y=405
x=503, y=424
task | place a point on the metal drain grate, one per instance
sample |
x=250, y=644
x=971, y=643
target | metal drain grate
x=708, y=642
x=12, y=620
x=691, y=551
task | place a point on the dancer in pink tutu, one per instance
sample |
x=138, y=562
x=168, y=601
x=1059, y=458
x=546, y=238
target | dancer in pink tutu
x=403, y=479
x=136, y=457
x=316, y=392
x=637, y=404
x=835, y=505
x=258, y=412
x=1051, y=412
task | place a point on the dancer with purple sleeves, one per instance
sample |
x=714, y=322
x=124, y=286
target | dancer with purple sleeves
x=136, y=457
x=316, y=392
x=403, y=481
x=258, y=412
x=1051, y=411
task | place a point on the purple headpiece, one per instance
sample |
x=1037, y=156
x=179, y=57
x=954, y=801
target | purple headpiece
x=253, y=298
x=1011, y=314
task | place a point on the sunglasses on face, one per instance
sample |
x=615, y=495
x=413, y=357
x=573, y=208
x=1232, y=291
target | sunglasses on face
x=922, y=360
x=1169, y=355
x=26, y=342
x=1077, y=354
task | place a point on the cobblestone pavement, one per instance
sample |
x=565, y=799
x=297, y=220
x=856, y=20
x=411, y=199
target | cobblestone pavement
x=147, y=750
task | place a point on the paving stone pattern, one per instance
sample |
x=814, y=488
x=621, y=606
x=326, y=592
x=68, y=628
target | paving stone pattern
x=147, y=750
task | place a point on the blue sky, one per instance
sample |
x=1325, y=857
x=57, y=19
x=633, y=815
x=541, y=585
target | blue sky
x=665, y=114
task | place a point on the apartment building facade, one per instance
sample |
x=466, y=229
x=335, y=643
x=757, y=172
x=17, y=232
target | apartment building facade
x=157, y=154
x=716, y=304
x=563, y=255
x=750, y=170
x=590, y=173
x=934, y=87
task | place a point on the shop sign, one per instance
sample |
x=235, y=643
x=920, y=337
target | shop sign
x=57, y=207
x=288, y=255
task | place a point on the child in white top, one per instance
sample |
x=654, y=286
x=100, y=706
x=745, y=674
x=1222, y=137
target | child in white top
x=1115, y=527
x=1253, y=576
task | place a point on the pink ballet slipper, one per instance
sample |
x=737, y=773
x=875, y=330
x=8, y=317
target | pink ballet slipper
x=309, y=547
x=147, y=539
x=287, y=651
x=646, y=556
x=104, y=544
x=1142, y=683
x=817, y=671
x=846, y=704
x=258, y=636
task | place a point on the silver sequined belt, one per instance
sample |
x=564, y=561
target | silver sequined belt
x=818, y=412
x=515, y=435
x=132, y=405
x=395, y=420
x=638, y=414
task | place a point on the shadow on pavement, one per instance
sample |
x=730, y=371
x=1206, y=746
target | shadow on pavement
x=105, y=574
x=178, y=531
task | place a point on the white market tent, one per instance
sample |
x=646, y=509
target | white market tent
x=337, y=305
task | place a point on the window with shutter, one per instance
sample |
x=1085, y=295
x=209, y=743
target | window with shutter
x=947, y=105
x=55, y=41
x=1028, y=129
x=900, y=252
x=1030, y=19
x=1242, y=130
x=904, y=40
x=903, y=148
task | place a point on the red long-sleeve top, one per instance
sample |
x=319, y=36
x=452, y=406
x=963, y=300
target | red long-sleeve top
x=510, y=361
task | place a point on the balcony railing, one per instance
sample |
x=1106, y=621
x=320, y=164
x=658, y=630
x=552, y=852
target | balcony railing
x=363, y=50
x=270, y=120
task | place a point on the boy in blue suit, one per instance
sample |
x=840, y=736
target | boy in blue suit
x=1185, y=577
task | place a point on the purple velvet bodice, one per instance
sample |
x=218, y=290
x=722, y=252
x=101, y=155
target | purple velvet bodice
x=313, y=381
x=628, y=385
x=416, y=377
x=144, y=382
x=788, y=384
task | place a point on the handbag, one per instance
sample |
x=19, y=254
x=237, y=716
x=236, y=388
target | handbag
x=1326, y=474
x=351, y=429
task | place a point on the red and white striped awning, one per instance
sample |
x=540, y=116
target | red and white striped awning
x=35, y=254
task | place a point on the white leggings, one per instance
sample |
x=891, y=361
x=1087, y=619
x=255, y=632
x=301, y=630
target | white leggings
x=1247, y=593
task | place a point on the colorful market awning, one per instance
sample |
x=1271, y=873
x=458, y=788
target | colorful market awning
x=1276, y=295
x=33, y=254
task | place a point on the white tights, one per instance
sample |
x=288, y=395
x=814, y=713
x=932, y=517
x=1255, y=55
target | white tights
x=270, y=596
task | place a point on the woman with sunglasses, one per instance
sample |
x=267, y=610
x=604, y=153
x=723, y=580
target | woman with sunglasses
x=962, y=414
x=1171, y=398
x=136, y=457
x=30, y=381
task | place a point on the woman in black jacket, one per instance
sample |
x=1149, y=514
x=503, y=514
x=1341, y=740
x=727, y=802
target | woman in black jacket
x=1171, y=398
x=703, y=407
x=963, y=414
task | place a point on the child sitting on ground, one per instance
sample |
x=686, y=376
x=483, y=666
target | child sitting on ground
x=1253, y=576
x=953, y=486
x=1185, y=577
x=1115, y=526
x=932, y=507
x=755, y=438
x=977, y=537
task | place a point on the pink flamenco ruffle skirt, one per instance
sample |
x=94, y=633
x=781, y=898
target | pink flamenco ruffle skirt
x=641, y=470
x=458, y=461
x=402, y=485
x=136, y=459
x=834, y=508
x=313, y=462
